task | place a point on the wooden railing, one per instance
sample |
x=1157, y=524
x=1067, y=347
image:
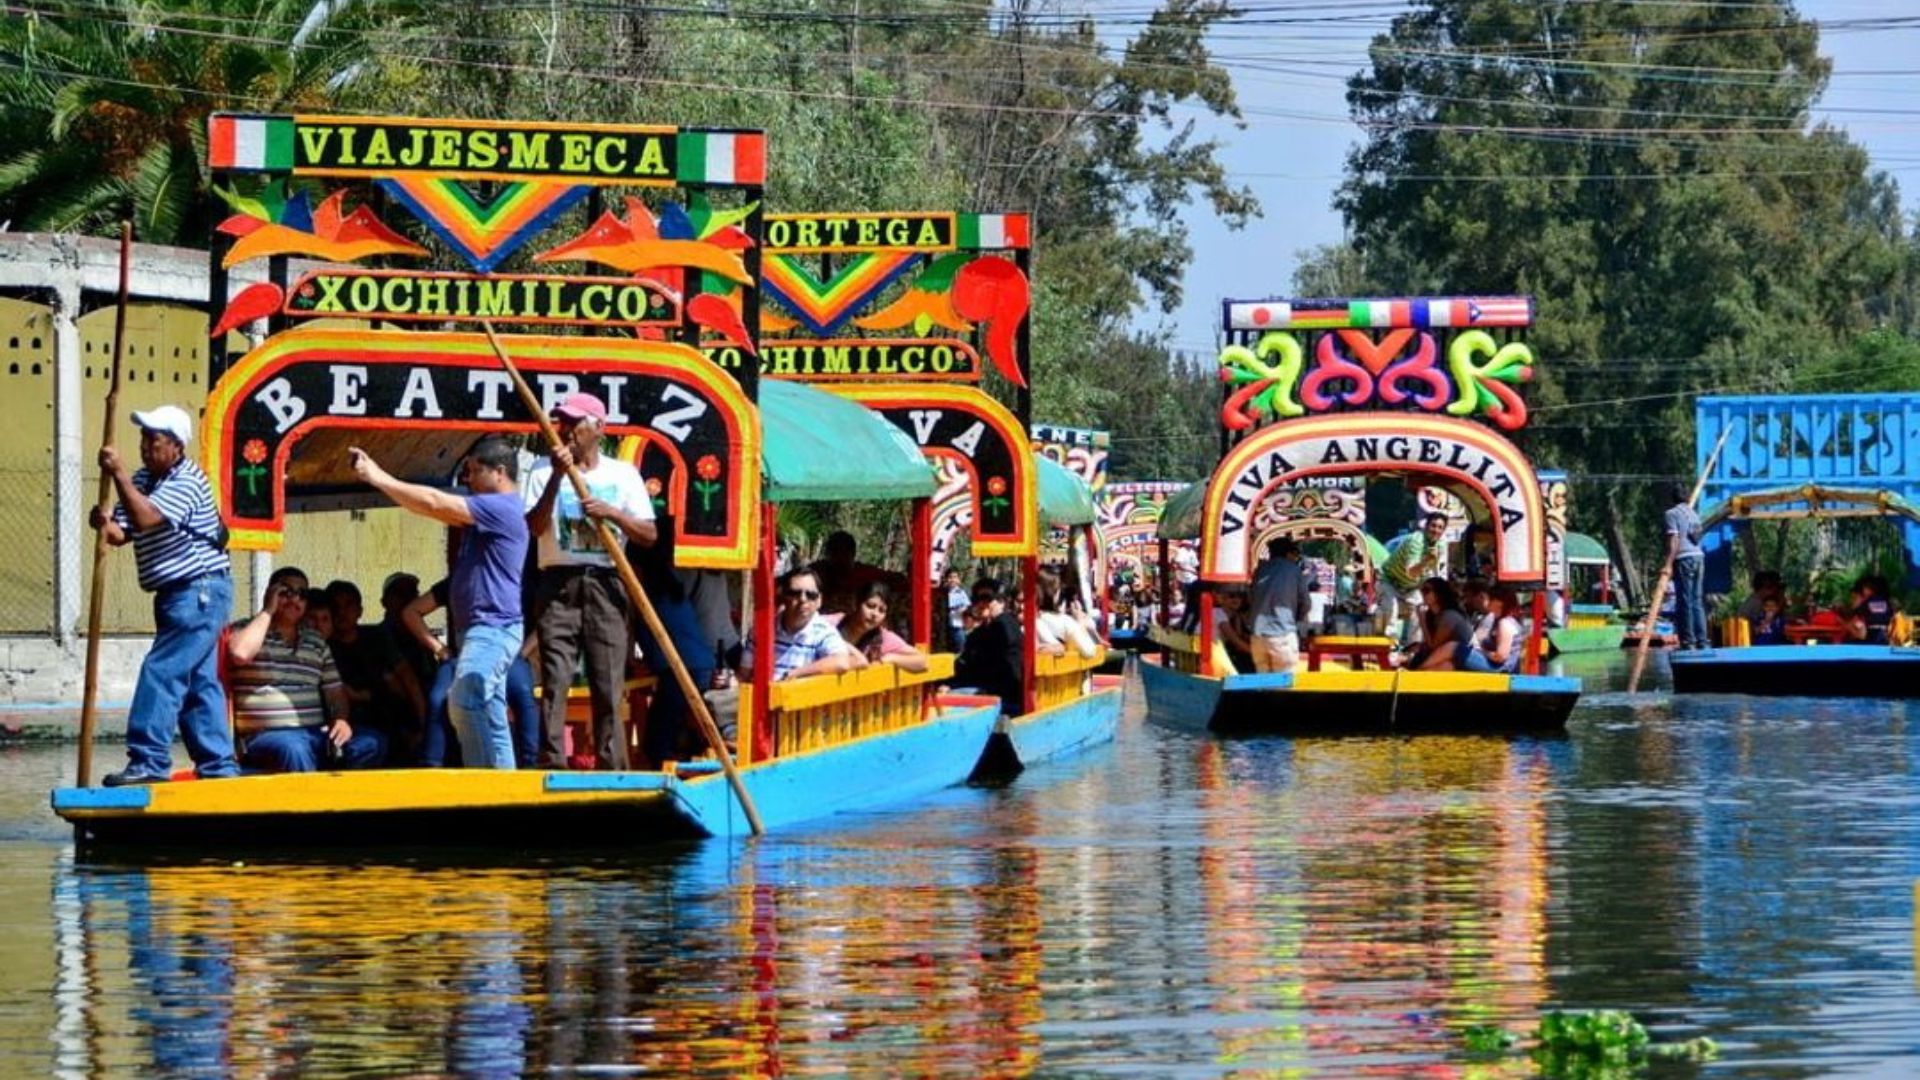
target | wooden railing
x=1183, y=649
x=825, y=710
x=1060, y=679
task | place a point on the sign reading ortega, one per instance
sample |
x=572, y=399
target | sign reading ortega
x=798, y=233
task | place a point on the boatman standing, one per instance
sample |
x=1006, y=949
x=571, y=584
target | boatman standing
x=484, y=592
x=1279, y=604
x=579, y=602
x=180, y=549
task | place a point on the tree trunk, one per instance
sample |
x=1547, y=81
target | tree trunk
x=1622, y=551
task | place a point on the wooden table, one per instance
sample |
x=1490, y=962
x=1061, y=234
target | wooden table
x=1356, y=650
x=1801, y=633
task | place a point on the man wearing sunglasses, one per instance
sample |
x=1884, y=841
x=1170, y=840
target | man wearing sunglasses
x=803, y=643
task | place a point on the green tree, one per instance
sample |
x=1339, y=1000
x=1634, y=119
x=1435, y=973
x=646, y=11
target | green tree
x=105, y=102
x=1649, y=173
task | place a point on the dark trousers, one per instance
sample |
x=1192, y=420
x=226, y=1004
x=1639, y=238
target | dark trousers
x=583, y=612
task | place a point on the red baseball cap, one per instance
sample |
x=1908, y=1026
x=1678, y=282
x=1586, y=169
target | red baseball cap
x=581, y=406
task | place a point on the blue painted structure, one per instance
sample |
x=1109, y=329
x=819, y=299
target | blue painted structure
x=1839, y=440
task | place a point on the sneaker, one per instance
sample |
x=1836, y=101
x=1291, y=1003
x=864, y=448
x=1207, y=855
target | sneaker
x=128, y=776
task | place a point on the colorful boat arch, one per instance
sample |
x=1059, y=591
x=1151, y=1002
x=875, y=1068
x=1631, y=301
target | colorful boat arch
x=338, y=386
x=965, y=425
x=1471, y=459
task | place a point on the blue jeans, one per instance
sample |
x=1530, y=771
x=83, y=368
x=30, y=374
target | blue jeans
x=477, y=702
x=526, y=716
x=1689, y=606
x=179, y=688
x=304, y=749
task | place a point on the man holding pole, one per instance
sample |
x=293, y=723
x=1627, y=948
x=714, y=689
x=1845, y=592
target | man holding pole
x=1688, y=560
x=579, y=601
x=485, y=587
x=179, y=546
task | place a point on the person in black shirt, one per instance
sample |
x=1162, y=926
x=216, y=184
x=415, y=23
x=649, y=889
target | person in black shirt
x=993, y=658
x=385, y=693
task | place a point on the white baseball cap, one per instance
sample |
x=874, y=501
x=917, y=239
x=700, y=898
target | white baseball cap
x=171, y=419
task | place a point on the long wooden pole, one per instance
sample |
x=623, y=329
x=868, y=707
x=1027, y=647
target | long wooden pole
x=97, y=592
x=1666, y=575
x=616, y=549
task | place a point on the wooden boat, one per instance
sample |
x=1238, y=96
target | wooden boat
x=722, y=447
x=1309, y=407
x=1590, y=628
x=1777, y=437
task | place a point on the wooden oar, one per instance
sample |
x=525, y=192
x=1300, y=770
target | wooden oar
x=1666, y=574
x=616, y=548
x=96, y=594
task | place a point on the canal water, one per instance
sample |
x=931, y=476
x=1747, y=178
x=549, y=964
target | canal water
x=1737, y=868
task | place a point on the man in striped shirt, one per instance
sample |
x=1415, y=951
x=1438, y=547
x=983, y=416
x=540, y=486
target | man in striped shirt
x=289, y=704
x=179, y=546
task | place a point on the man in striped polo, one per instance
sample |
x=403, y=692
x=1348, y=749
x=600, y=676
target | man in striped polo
x=179, y=545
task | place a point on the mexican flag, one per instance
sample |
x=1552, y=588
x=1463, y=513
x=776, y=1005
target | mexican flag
x=722, y=157
x=250, y=143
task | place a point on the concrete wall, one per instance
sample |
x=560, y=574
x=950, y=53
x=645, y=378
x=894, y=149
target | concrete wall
x=57, y=298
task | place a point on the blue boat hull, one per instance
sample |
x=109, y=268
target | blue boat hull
x=481, y=809
x=1064, y=730
x=1271, y=705
x=1873, y=671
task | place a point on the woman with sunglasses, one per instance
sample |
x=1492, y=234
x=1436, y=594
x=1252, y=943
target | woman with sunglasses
x=865, y=629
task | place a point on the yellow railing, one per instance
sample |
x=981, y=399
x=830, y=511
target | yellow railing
x=1060, y=679
x=825, y=710
x=1185, y=648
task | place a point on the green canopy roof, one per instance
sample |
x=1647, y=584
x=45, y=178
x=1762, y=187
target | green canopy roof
x=1180, y=518
x=824, y=448
x=1584, y=550
x=1065, y=499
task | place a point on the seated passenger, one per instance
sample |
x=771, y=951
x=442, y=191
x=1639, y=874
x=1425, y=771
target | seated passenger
x=381, y=687
x=841, y=575
x=1233, y=628
x=1766, y=584
x=1500, y=646
x=803, y=642
x=1445, y=627
x=1769, y=627
x=865, y=629
x=289, y=707
x=1054, y=629
x=1872, y=611
x=993, y=660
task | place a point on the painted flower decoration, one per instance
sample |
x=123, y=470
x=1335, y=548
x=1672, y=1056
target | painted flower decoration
x=996, y=499
x=653, y=486
x=708, y=470
x=255, y=453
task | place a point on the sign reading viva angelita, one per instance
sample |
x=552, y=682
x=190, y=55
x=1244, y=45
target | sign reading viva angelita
x=1468, y=458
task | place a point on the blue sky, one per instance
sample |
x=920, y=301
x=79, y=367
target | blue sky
x=1291, y=86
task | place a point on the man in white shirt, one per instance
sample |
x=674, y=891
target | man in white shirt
x=579, y=602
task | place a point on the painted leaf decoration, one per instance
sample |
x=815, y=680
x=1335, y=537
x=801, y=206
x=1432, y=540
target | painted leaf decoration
x=715, y=220
x=938, y=276
x=297, y=213
x=239, y=225
x=242, y=204
x=253, y=302
x=675, y=224
x=715, y=313
x=730, y=238
x=993, y=291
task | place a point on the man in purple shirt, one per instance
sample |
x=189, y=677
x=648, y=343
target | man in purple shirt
x=485, y=590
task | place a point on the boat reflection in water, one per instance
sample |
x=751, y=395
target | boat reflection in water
x=676, y=968
x=1406, y=903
